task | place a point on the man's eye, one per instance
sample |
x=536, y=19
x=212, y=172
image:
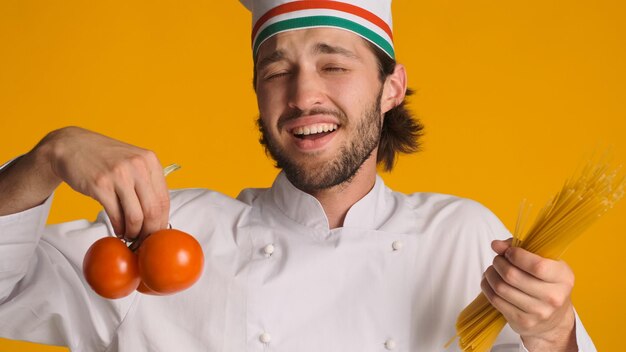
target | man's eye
x=334, y=69
x=276, y=75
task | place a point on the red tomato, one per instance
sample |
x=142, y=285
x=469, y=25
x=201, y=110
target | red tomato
x=110, y=268
x=170, y=261
x=146, y=290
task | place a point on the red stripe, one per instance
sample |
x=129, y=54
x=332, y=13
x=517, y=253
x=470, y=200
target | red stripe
x=321, y=4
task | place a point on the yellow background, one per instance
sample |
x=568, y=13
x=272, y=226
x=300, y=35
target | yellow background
x=514, y=96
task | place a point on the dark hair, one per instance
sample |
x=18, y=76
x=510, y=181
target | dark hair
x=401, y=131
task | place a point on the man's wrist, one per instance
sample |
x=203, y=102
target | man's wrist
x=27, y=181
x=561, y=338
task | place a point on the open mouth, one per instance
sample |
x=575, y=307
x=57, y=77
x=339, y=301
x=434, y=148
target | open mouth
x=315, y=131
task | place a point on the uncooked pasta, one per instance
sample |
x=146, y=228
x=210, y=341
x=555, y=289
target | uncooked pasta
x=582, y=200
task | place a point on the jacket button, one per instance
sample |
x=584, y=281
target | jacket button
x=265, y=337
x=390, y=344
x=268, y=250
x=397, y=245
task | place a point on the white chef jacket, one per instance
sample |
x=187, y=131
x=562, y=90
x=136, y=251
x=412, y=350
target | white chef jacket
x=276, y=278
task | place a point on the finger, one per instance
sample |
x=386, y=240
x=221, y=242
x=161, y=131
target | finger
x=162, y=193
x=508, y=293
x=152, y=208
x=113, y=209
x=103, y=191
x=500, y=247
x=507, y=309
x=542, y=268
x=158, y=208
x=520, y=279
x=131, y=208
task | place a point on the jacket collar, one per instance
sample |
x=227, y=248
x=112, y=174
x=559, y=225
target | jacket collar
x=303, y=208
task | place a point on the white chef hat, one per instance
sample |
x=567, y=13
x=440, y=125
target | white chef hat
x=370, y=19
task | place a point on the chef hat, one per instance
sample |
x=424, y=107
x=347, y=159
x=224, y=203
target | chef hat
x=370, y=19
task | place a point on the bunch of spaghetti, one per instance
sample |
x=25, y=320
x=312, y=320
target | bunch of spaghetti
x=583, y=199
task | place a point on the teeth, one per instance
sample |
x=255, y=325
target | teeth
x=314, y=129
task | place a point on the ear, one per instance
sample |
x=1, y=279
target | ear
x=394, y=89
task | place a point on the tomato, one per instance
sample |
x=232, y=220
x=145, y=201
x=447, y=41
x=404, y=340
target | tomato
x=110, y=268
x=146, y=290
x=166, y=262
x=170, y=261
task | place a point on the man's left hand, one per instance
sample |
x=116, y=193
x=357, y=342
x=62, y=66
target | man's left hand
x=533, y=293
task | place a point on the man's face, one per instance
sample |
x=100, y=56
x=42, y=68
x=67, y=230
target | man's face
x=318, y=93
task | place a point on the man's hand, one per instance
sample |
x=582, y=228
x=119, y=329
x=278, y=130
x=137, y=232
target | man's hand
x=128, y=181
x=533, y=294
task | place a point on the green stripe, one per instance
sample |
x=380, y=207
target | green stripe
x=315, y=21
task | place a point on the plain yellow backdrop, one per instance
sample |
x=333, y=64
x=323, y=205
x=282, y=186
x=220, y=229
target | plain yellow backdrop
x=514, y=95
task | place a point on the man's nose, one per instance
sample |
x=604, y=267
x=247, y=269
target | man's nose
x=307, y=90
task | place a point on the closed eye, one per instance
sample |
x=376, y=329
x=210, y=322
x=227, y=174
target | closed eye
x=276, y=75
x=334, y=69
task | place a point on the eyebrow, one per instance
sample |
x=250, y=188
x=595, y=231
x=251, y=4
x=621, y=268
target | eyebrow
x=319, y=48
x=323, y=48
x=274, y=57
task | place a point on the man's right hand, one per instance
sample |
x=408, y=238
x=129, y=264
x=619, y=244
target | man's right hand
x=128, y=181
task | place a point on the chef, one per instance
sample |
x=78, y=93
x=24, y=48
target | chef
x=327, y=259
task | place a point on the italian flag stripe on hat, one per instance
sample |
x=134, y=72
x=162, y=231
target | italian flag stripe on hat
x=370, y=19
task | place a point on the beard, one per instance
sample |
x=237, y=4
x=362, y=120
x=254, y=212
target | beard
x=312, y=175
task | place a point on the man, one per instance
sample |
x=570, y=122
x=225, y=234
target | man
x=328, y=259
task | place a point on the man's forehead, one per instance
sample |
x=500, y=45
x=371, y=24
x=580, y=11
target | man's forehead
x=312, y=41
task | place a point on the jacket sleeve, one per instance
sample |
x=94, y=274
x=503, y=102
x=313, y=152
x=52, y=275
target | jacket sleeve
x=43, y=294
x=583, y=340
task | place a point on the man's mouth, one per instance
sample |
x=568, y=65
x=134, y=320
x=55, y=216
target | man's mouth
x=314, y=131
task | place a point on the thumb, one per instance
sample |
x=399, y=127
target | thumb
x=500, y=247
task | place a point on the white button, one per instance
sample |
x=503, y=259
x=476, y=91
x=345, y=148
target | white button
x=268, y=250
x=265, y=337
x=390, y=344
x=397, y=245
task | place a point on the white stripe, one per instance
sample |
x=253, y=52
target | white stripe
x=381, y=8
x=325, y=12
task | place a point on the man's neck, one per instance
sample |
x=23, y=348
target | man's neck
x=337, y=200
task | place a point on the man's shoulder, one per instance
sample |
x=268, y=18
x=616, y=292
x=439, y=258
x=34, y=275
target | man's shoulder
x=249, y=195
x=446, y=211
x=431, y=202
x=202, y=197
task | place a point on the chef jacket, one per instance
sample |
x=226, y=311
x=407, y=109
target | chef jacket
x=395, y=276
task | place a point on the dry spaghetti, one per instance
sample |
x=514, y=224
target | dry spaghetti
x=582, y=200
